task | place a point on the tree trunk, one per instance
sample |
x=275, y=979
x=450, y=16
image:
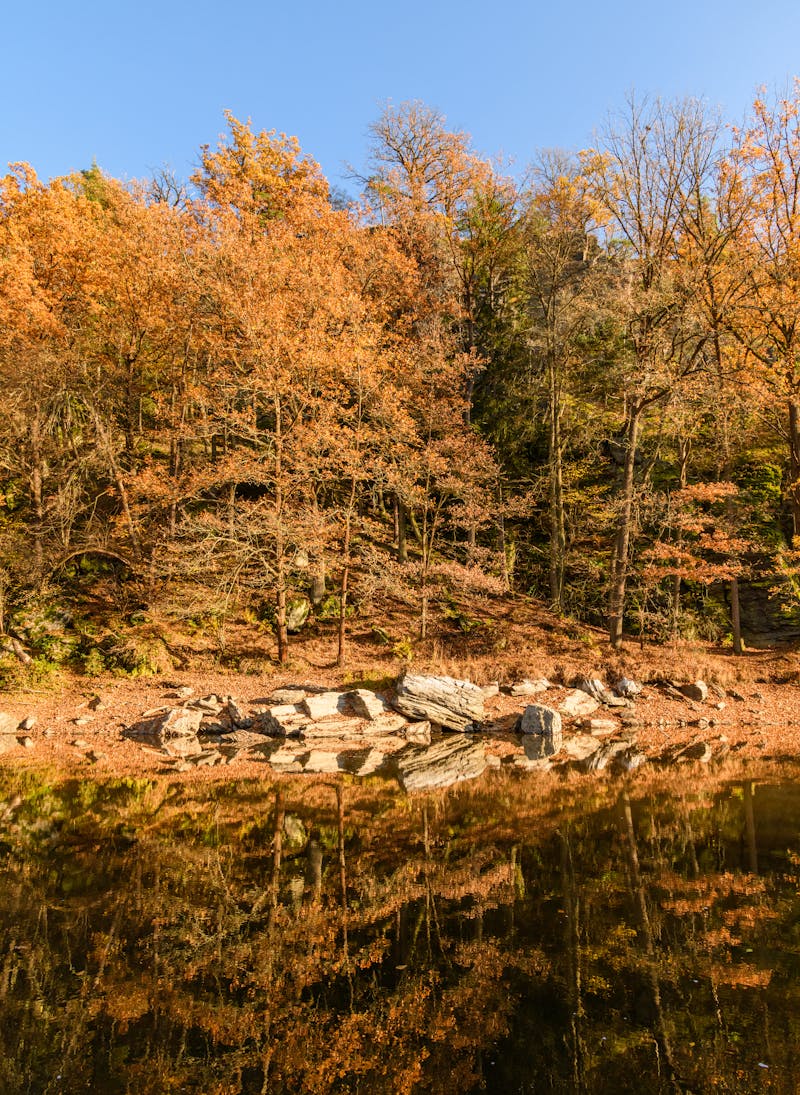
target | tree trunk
x=343, y=588
x=174, y=471
x=280, y=546
x=555, y=461
x=619, y=566
x=280, y=618
x=119, y=483
x=684, y=446
x=402, y=543
x=736, y=617
x=505, y=544
x=37, y=497
x=794, y=465
x=318, y=582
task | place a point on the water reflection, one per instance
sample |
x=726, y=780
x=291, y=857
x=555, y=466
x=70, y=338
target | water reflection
x=254, y=938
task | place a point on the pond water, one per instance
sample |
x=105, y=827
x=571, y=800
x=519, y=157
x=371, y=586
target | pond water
x=506, y=935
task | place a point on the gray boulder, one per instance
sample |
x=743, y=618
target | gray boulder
x=542, y=727
x=627, y=688
x=8, y=723
x=287, y=695
x=530, y=688
x=174, y=731
x=457, y=705
x=577, y=703
x=697, y=691
x=298, y=610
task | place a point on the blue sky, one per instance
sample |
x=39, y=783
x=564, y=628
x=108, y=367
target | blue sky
x=138, y=86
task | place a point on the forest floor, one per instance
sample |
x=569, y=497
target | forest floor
x=753, y=703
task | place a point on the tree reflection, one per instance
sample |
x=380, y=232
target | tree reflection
x=485, y=938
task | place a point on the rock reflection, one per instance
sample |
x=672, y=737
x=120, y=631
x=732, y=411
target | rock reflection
x=330, y=938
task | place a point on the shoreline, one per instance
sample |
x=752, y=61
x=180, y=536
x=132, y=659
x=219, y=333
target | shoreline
x=80, y=730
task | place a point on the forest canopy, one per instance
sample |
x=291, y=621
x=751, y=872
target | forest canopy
x=241, y=392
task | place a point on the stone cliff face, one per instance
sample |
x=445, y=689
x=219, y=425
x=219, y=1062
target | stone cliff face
x=770, y=612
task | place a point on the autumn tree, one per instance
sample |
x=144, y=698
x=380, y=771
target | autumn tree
x=647, y=164
x=558, y=256
x=766, y=163
x=47, y=236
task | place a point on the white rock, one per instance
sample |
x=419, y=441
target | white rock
x=366, y=704
x=593, y=687
x=334, y=728
x=179, y=723
x=285, y=719
x=286, y=758
x=388, y=723
x=541, y=764
x=455, y=758
x=530, y=688
x=360, y=762
x=325, y=705
x=577, y=703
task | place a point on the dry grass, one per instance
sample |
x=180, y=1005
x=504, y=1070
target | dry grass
x=509, y=637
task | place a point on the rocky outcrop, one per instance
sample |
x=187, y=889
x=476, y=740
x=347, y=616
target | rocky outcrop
x=454, y=704
x=324, y=731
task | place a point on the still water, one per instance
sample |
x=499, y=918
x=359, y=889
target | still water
x=503, y=937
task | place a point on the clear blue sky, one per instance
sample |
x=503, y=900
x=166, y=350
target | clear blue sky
x=137, y=86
